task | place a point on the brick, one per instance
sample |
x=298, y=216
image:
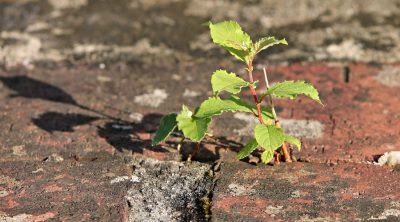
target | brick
x=305, y=192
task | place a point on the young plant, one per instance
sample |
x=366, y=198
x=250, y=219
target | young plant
x=268, y=134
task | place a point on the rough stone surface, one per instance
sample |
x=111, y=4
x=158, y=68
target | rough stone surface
x=307, y=129
x=153, y=99
x=314, y=31
x=341, y=129
x=77, y=77
x=48, y=118
x=389, y=76
x=390, y=158
x=169, y=191
x=306, y=192
x=68, y=191
x=65, y=4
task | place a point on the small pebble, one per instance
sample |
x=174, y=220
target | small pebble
x=103, y=79
x=391, y=158
x=136, y=117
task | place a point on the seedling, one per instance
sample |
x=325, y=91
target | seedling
x=268, y=134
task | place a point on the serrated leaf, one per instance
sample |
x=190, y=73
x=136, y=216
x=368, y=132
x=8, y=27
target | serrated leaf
x=266, y=42
x=294, y=141
x=230, y=34
x=193, y=128
x=167, y=125
x=267, y=156
x=216, y=106
x=291, y=89
x=269, y=137
x=247, y=149
x=231, y=37
x=221, y=80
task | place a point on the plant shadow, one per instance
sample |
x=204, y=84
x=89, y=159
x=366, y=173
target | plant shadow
x=27, y=87
x=211, y=149
x=121, y=135
x=63, y=122
x=129, y=136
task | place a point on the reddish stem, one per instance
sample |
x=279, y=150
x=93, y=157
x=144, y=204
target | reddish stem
x=285, y=149
x=260, y=118
x=253, y=92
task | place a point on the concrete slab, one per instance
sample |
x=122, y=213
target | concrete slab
x=169, y=191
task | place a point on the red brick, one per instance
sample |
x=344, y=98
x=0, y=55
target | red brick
x=305, y=190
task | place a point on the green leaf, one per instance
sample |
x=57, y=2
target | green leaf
x=269, y=137
x=167, y=125
x=291, y=89
x=221, y=80
x=242, y=55
x=193, y=128
x=216, y=106
x=267, y=116
x=294, y=141
x=230, y=34
x=247, y=149
x=231, y=37
x=266, y=42
x=267, y=156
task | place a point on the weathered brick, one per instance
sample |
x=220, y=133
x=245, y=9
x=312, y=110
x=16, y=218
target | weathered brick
x=306, y=192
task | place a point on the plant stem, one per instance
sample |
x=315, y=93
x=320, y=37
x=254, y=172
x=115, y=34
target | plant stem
x=196, y=151
x=285, y=149
x=258, y=105
x=180, y=144
x=277, y=158
x=253, y=92
x=277, y=123
x=270, y=97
